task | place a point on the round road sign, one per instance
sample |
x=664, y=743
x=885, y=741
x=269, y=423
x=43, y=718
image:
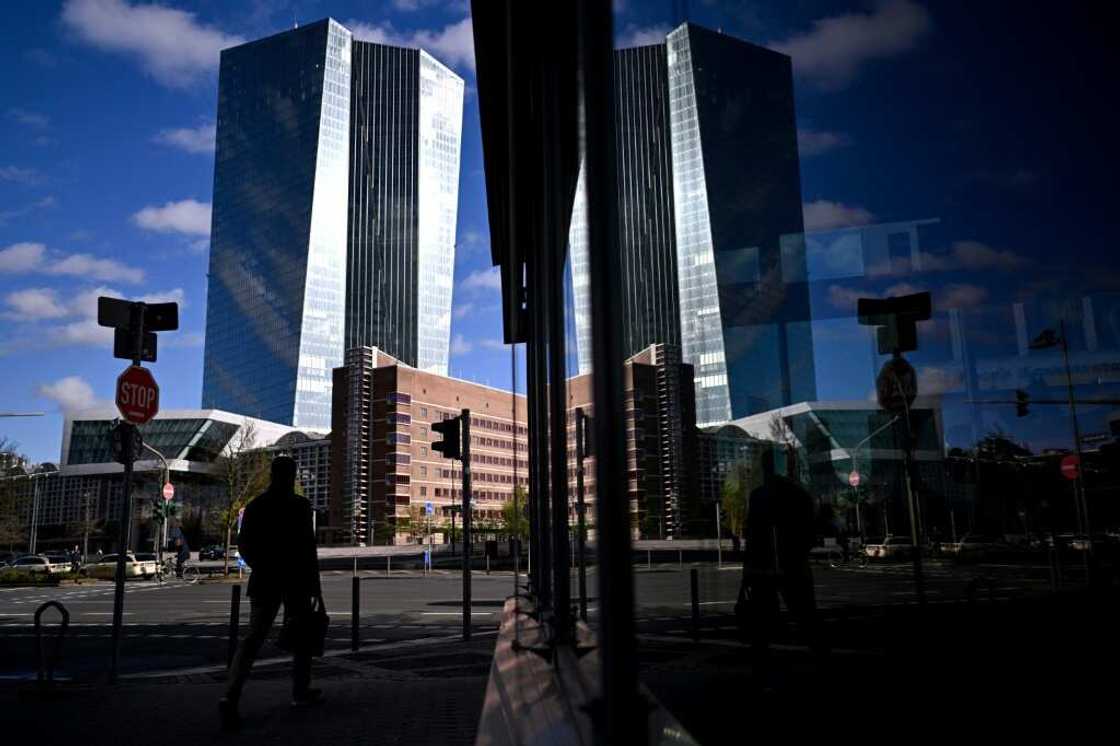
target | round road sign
x=896, y=385
x=853, y=479
x=1071, y=466
x=137, y=395
x=169, y=492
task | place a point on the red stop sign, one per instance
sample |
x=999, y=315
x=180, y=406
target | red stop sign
x=137, y=395
x=169, y=492
x=854, y=479
x=1071, y=466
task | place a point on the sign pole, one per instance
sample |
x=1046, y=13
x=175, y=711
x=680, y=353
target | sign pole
x=122, y=542
x=907, y=466
x=466, y=503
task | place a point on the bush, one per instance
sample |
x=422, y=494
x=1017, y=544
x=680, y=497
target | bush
x=19, y=576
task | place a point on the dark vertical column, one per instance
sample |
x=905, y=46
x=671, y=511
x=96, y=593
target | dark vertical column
x=465, y=455
x=581, y=510
x=623, y=719
x=556, y=225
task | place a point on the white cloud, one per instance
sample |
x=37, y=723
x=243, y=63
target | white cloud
x=71, y=394
x=824, y=215
x=186, y=216
x=21, y=257
x=198, y=139
x=976, y=255
x=90, y=267
x=20, y=175
x=962, y=295
x=833, y=51
x=494, y=344
x=453, y=45
x=844, y=298
x=82, y=332
x=483, y=279
x=460, y=346
x=462, y=310
x=34, y=304
x=933, y=381
x=636, y=36
x=172, y=46
x=29, y=118
x=16, y=212
x=815, y=142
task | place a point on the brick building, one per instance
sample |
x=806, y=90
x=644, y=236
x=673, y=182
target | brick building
x=383, y=467
x=661, y=442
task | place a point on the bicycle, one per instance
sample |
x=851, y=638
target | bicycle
x=855, y=557
x=190, y=573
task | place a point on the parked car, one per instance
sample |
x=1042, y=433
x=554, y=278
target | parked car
x=7, y=558
x=37, y=563
x=892, y=547
x=148, y=559
x=133, y=567
x=217, y=552
x=971, y=545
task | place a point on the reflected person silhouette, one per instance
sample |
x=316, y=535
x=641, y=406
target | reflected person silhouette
x=779, y=536
x=277, y=541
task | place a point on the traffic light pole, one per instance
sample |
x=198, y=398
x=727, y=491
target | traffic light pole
x=128, y=441
x=465, y=426
x=911, y=500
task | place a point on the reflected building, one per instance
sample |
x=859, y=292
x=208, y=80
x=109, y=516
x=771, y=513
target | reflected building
x=708, y=183
x=334, y=210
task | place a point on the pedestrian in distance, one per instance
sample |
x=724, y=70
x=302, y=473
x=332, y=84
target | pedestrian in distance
x=75, y=559
x=182, y=554
x=277, y=542
x=779, y=538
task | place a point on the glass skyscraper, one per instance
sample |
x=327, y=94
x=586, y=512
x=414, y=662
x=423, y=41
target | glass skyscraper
x=708, y=184
x=335, y=200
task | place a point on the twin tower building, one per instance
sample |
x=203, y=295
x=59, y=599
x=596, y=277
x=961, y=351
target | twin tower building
x=335, y=201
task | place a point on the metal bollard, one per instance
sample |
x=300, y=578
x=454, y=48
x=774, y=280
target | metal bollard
x=48, y=661
x=649, y=559
x=680, y=558
x=488, y=564
x=355, y=600
x=234, y=624
x=694, y=579
x=388, y=564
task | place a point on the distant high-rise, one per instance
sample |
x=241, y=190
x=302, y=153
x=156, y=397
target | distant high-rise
x=708, y=184
x=335, y=198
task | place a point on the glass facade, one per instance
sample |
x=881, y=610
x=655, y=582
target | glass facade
x=200, y=440
x=708, y=114
x=335, y=205
x=439, y=136
x=406, y=126
x=277, y=258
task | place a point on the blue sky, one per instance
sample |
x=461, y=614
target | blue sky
x=991, y=121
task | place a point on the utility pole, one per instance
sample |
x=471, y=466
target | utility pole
x=719, y=538
x=466, y=464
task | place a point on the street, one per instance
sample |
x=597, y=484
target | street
x=177, y=626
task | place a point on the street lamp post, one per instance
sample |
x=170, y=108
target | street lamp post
x=1044, y=341
x=34, y=542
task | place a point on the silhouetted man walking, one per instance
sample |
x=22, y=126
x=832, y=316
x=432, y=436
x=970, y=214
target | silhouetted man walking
x=779, y=537
x=277, y=541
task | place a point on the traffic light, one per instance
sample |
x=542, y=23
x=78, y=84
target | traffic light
x=1022, y=403
x=896, y=318
x=451, y=443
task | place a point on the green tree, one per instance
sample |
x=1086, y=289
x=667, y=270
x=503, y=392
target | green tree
x=736, y=490
x=12, y=529
x=515, y=520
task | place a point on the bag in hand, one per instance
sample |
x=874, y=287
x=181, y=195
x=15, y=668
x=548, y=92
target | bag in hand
x=306, y=631
x=743, y=608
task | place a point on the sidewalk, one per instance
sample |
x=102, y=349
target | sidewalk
x=424, y=695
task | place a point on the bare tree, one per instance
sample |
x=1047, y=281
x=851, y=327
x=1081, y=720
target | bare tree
x=11, y=464
x=245, y=472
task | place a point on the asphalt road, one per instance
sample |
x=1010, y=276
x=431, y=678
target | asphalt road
x=178, y=626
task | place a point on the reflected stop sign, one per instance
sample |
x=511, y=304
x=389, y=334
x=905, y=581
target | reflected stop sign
x=853, y=479
x=137, y=395
x=169, y=492
x=1071, y=466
